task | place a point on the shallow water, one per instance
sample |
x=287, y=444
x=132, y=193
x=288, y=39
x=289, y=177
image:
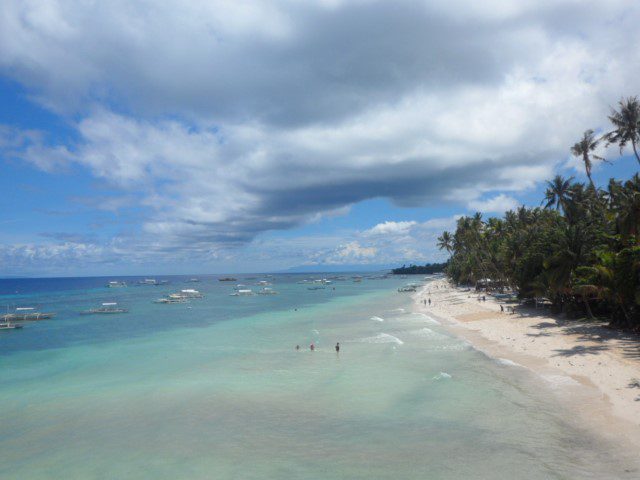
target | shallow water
x=215, y=389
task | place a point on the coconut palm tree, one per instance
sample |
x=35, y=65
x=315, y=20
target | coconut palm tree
x=585, y=148
x=558, y=192
x=445, y=242
x=627, y=125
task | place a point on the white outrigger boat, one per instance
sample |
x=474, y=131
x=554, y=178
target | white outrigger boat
x=173, y=298
x=267, y=291
x=23, y=314
x=105, y=308
x=116, y=284
x=189, y=293
x=243, y=292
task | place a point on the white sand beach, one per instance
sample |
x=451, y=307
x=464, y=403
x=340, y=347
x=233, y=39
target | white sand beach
x=596, y=368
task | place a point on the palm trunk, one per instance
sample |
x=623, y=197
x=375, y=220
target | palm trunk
x=588, y=307
x=635, y=151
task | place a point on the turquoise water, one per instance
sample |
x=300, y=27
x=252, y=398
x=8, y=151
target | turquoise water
x=215, y=389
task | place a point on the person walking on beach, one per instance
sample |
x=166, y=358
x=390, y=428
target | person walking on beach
x=312, y=347
x=429, y=302
x=338, y=347
x=501, y=308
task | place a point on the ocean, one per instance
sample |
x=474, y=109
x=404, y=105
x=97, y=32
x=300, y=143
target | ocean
x=215, y=389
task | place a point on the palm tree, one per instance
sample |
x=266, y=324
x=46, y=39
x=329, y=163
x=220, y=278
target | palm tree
x=585, y=148
x=445, y=242
x=627, y=125
x=558, y=192
x=627, y=208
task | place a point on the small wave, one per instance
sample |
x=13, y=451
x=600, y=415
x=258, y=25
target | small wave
x=442, y=376
x=457, y=347
x=560, y=380
x=382, y=338
x=426, y=317
x=426, y=332
x=507, y=362
x=377, y=319
x=400, y=310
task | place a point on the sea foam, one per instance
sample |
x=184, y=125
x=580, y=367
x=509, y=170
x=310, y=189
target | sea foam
x=377, y=319
x=382, y=338
x=507, y=362
x=426, y=332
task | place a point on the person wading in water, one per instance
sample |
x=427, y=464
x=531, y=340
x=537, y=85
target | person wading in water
x=338, y=347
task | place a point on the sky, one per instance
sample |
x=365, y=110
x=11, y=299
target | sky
x=214, y=136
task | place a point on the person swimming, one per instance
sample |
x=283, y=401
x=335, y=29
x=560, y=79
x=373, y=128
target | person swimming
x=338, y=347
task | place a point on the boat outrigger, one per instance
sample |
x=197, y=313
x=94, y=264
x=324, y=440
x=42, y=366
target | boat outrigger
x=23, y=314
x=105, y=308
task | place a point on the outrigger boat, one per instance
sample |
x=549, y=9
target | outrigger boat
x=23, y=314
x=105, y=308
x=189, y=293
x=9, y=326
x=244, y=292
x=267, y=291
x=173, y=298
x=115, y=284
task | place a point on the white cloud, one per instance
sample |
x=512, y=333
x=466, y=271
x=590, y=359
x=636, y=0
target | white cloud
x=498, y=204
x=390, y=228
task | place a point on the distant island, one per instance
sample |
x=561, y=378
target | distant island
x=426, y=269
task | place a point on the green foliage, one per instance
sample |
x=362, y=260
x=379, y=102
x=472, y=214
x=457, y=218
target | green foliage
x=427, y=269
x=582, y=251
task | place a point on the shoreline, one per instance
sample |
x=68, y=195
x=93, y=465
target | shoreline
x=594, y=368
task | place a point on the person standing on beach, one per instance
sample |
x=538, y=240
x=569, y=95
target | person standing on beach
x=312, y=347
x=338, y=347
x=429, y=302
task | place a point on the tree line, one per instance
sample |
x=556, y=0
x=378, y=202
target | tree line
x=426, y=269
x=580, y=249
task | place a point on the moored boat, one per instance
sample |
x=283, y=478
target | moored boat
x=105, y=308
x=23, y=314
x=244, y=292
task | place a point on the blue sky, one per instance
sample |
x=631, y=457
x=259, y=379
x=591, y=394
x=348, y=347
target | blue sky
x=254, y=136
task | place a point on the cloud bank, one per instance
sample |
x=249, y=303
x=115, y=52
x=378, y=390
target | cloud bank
x=229, y=119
